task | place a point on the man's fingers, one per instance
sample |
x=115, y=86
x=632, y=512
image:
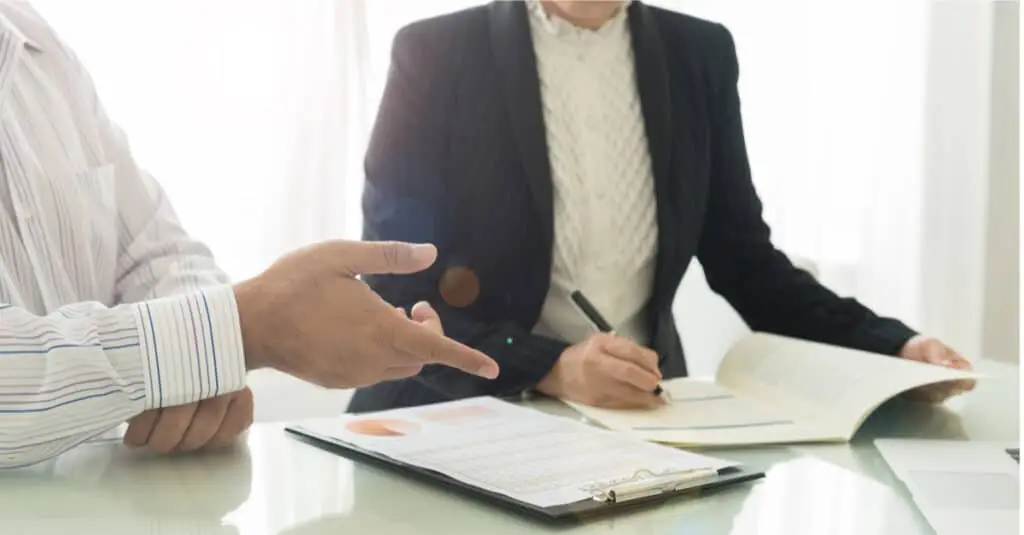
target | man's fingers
x=629, y=350
x=425, y=315
x=429, y=347
x=170, y=427
x=139, y=429
x=205, y=423
x=237, y=419
x=370, y=258
x=401, y=372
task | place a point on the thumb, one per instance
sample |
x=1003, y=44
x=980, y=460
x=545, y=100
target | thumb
x=381, y=258
x=424, y=314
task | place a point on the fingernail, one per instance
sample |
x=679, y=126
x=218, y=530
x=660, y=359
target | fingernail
x=488, y=371
x=423, y=252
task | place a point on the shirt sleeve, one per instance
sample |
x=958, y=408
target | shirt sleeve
x=168, y=336
x=86, y=368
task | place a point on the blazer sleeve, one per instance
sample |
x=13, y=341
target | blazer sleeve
x=405, y=199
x=742, y=265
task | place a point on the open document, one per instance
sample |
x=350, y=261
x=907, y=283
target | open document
x=518, y=452
x=773, y=389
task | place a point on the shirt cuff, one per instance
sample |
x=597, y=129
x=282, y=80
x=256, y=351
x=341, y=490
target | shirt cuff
x=191, y=347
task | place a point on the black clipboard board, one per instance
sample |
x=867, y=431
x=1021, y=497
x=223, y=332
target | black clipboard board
x=563, y=514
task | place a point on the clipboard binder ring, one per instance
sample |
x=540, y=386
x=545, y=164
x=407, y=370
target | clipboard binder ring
x=644, y=483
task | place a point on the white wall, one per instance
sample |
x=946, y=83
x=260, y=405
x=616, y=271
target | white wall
x=956, y=170
x=1001, y=331
x=970, y=266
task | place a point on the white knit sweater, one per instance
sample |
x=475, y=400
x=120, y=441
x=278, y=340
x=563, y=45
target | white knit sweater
x=605, y=212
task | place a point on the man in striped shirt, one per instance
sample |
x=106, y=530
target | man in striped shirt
x=110, y=312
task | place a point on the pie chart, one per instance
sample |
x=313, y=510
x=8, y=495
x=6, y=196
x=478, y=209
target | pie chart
x=379, y=427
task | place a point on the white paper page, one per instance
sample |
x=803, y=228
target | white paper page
x=961, y=488
x=835, y=386
x=703, y=413
x=519, y=452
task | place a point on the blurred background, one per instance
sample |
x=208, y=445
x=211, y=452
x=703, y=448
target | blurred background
x=884, y=139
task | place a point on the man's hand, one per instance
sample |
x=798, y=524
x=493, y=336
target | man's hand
x=605, y=371
x=425, y=315
x=207, y=425
x=310, y=316
x=932, y=351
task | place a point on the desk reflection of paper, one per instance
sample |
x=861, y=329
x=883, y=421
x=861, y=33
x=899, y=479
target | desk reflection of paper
x=961, y=487
x=524, y=454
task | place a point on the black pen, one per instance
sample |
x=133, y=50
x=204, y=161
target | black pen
x=597, y=320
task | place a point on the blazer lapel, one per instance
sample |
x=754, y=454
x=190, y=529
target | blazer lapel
x=516, y=66
x=653, y=84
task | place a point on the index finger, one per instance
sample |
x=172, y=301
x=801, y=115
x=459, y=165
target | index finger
x=379, y=258
x=628, y=350
x=430, y=347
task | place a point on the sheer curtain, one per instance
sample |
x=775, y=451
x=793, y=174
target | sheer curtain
x=254, y=114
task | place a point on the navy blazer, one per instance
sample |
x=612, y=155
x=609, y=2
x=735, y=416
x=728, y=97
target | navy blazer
x=458, y=158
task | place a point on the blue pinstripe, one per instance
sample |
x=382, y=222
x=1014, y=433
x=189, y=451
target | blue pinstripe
x=156, y=357
x=51, y=349
x=140, y=394
x=213, y=345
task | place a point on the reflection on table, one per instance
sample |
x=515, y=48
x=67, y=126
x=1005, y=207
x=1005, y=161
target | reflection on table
x=105, y=488
x=275, y=485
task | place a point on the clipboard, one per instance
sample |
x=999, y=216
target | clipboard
x=641, y=488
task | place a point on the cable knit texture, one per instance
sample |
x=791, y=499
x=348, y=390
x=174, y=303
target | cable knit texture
x=605, y=212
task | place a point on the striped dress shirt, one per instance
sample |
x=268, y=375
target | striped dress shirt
x=107, y=307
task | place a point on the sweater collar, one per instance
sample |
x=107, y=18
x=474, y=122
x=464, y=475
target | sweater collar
x=558, y=26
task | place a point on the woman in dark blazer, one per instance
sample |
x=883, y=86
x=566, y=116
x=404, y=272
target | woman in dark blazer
x=551, y=146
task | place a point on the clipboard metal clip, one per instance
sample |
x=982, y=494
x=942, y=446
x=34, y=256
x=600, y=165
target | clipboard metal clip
x=644, y=483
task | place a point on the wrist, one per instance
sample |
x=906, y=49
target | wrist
x=253, y=348
x=551, y=384
x=907, y=347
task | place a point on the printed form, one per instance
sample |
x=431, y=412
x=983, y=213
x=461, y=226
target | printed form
x=527, y=455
